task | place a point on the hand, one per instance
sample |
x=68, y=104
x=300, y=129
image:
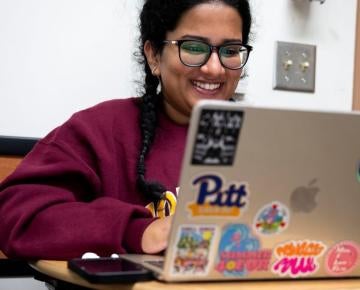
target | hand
x=155, y=236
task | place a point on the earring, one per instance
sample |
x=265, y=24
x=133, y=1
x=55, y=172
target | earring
x=153, y=70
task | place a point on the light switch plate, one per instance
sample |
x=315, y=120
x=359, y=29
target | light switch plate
x=295, y=67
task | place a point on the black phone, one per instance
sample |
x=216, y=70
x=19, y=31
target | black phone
x=109, y=270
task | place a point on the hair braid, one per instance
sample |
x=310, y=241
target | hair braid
x=148, y=124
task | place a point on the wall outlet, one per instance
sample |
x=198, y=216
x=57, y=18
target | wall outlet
x=295, y=67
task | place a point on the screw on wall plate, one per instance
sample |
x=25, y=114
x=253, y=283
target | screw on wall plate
x=295, y=67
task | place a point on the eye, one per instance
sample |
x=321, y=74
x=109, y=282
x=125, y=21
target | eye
x=229, y=51
x=194, y=47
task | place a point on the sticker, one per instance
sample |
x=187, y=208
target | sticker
x=342, y=258
x=297, y=258
x=358, y=172
x=240, y=253
x=273, y=218
x=214, y=198
x=217, y=137
x=193, y=248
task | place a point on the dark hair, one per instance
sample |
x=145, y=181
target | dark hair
x=156, y=19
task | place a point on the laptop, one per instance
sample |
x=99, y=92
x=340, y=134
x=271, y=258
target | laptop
x=265, y=193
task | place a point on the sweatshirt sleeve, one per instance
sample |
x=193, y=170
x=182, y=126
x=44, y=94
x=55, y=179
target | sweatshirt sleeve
x=58, y=204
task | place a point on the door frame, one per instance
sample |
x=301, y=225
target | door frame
x=356, y=86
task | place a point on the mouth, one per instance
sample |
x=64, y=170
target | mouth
x=206, y=86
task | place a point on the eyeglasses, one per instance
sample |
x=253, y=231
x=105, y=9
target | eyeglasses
x=195, y=53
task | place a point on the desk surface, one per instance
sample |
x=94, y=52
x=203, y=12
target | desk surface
x=59, y=270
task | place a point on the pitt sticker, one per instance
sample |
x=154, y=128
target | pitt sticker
x=297, y=258
x=342, y=258
x=215, y=199
x=239, y=252
x=271, y=219
x=193, y=248
x=217, y=137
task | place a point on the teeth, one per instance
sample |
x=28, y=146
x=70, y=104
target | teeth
x=207, y=86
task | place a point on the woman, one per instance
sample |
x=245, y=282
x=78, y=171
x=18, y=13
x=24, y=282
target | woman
x=99, y=182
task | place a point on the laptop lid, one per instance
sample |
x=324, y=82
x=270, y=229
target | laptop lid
x=267, y=193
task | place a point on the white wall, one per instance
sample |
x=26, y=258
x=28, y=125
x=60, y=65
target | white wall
x=57, y=57
x=330, y=26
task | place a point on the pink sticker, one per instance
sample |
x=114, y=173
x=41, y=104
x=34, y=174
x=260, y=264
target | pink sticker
x=342, y=258
x=297, y=258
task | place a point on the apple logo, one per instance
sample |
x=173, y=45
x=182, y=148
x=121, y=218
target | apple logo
x=303, y=198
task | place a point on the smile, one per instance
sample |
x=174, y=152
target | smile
x=207, y=86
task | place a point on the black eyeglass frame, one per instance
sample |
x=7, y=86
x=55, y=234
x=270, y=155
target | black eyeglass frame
x=213, y=48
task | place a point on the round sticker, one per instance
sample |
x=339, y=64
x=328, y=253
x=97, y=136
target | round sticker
x=273, y=218
x=342, y=258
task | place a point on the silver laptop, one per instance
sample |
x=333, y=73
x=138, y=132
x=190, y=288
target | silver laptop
x=264, y=194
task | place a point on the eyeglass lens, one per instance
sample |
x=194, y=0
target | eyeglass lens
x=196, y=53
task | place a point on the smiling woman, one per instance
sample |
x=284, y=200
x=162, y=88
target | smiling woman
x=206, y=26
x=110, y=172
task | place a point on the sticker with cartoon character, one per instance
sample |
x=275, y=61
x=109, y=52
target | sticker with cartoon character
x=217, y=137
x=240, y=252
x=298, y=258
x=273, y=218
x=193, y=248
x=342, y=258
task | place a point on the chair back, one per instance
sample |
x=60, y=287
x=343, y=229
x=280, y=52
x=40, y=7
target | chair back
x=12, y=151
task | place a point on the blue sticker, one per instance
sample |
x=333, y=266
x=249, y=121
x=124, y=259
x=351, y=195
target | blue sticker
x=240, y=252
x=215, y=197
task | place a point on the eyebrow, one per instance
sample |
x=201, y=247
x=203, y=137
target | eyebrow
x=205, y=39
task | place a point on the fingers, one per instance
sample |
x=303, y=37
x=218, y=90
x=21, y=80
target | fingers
x=155, y=236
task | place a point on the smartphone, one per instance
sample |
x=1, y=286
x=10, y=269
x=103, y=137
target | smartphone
x=109, y=270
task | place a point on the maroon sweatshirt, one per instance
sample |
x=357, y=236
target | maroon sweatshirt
x=75, y=191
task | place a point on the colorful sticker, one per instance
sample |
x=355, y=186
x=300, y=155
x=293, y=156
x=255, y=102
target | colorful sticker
x=358, y=172
x=297, y=258
x=240, y=253
x=193, y=248
x=273, y=218
x=217, y=137
x=342, y=258
x=216, y=199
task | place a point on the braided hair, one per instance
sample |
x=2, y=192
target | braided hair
x=157, y=17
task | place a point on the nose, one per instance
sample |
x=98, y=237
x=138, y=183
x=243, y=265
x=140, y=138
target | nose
x=213, y=66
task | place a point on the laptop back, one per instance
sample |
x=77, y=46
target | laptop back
x=266, y=194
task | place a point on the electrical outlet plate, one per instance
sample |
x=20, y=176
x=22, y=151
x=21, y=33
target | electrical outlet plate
x=295, y=67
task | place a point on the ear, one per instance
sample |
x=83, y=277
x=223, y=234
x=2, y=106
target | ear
x=152, y=58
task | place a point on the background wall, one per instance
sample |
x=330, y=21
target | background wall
x=57, y=57
x=330, y=26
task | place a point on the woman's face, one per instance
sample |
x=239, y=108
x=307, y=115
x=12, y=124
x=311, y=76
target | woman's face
x=183, y=86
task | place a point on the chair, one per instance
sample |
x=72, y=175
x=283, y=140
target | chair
x=12, y=151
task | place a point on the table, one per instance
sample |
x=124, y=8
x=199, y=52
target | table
x=58, y=270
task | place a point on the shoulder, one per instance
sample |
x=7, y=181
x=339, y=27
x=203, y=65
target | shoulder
x=104, y=118
x=112, y=112
x=113, y=107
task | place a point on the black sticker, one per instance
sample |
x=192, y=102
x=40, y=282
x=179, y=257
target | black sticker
x=217, y=137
